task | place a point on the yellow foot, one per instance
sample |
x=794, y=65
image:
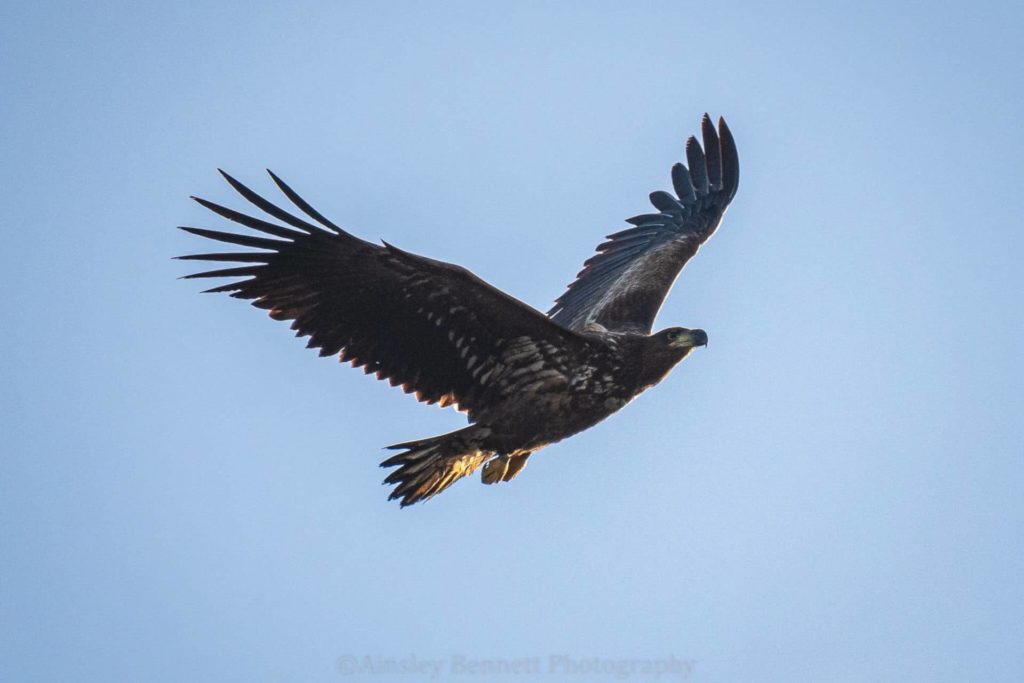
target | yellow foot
x=503, y=468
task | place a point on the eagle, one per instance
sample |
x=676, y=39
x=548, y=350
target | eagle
x=523, y=378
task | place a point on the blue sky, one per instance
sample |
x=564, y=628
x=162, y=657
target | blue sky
x=830, y=492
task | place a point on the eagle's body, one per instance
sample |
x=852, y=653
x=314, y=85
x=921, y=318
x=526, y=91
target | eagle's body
x=547, y=395
x=525, y=380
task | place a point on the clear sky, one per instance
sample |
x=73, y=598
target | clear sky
x=832, y=491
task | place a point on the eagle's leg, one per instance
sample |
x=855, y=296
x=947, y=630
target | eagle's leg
x=515, y=466
x=503, y=468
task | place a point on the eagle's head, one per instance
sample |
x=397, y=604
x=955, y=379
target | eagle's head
x=666, y=348
x=679, y=340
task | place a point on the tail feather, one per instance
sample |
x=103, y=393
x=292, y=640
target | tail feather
x=429, y=466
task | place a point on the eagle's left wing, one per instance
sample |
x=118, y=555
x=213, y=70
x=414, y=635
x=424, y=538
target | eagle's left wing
x=624, y=284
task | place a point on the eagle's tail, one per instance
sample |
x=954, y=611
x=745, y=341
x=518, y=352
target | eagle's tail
x=429, y=466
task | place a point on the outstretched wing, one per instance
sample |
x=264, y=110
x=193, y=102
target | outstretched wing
x=624, y=284
x=431, y=327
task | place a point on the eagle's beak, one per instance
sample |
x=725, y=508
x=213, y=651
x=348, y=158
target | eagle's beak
x=690, y=339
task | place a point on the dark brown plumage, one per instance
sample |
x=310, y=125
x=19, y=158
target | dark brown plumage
x=524, y=379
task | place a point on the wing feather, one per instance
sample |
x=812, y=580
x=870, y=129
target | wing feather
x=624, y=284
x=698, y=166
x=712, y=152
x=682, y=185
x=408, y=319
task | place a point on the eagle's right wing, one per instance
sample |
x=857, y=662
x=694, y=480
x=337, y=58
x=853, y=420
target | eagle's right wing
x=623, y=286
x=431, y=327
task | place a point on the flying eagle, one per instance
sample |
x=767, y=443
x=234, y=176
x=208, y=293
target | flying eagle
x=524, y=379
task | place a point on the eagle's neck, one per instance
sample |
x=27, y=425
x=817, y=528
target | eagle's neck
x=655, y=362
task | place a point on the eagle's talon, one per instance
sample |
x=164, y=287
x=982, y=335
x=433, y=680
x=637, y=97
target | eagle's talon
x=503, y=468
x=494, y=470
x=515, y=466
